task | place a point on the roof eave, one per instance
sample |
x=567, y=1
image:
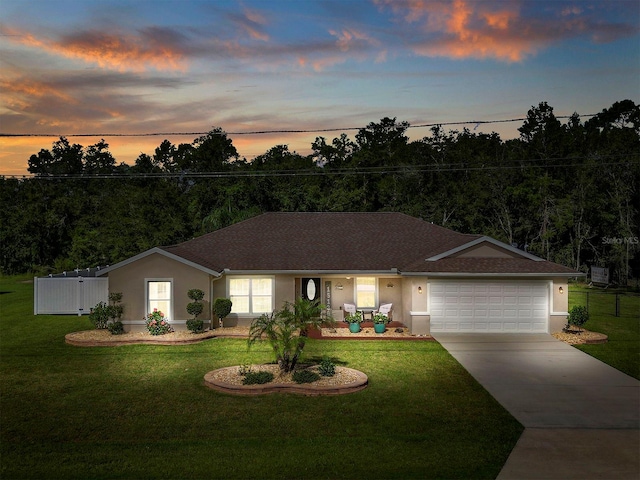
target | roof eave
x=480, y=240
x=159, y=251
x=496, y=274
x=229, y=271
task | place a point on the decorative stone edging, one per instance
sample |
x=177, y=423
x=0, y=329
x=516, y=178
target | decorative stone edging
x=84, y=339
x=360, y=383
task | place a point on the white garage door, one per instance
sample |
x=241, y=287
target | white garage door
x=497, y=306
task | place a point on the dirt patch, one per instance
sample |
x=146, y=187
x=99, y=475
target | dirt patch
x=583, y=337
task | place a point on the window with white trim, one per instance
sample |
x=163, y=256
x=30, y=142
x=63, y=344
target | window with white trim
x=252, y=295
x=366, y=292
x=159, y=296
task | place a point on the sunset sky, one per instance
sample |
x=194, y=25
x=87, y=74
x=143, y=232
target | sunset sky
x=135, y=66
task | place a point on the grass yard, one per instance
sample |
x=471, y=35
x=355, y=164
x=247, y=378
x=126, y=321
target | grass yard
x=622, y=351
x=142, y=411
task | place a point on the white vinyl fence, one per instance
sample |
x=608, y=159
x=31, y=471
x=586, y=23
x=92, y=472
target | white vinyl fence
x=68, y=296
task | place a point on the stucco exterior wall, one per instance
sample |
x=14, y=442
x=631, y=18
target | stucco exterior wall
x=559, y=296
x=131, y=281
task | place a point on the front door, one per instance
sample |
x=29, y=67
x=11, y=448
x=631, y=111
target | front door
x=311, y=289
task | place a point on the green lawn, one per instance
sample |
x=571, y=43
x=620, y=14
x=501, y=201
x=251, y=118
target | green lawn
x=622, y=351
x=143, y=411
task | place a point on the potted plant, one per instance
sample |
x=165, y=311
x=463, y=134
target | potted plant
x=354, y=320
x=380, y=321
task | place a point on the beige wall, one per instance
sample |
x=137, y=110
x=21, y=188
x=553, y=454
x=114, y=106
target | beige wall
x=560, y=300
x=130, y=280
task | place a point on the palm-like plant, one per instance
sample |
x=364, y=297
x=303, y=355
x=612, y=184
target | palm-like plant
x=287, y=330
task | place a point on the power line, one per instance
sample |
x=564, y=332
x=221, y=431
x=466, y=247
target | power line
x=378, y=170
x=268, y=132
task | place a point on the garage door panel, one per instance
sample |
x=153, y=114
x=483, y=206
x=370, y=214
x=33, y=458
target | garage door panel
x=493, y=306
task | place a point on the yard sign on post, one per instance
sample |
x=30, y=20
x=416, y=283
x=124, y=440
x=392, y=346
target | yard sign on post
x=600, y=275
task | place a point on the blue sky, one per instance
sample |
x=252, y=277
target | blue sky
x=94, y=66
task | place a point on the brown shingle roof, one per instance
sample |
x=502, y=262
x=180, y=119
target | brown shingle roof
x=491, y=265
x=320, y=242
x=344, y=242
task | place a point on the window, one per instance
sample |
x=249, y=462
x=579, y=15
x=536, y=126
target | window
x=366, y=292
x=251, y=295
x=159, y=296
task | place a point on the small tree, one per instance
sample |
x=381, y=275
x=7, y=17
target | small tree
x=115, y=310
x=578, y=316
x=287, y=330
x=222, y=308
x=195, y=308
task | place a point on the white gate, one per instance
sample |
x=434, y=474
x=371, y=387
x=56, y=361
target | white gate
x=68, y=296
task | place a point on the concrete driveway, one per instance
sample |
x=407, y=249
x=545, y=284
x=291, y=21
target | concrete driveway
x=581, y=416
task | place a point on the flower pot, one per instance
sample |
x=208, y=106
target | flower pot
x=354, y=327
x=379, y=327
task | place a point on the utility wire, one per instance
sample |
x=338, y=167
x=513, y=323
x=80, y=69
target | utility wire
x=267, y=132
x=379, y=170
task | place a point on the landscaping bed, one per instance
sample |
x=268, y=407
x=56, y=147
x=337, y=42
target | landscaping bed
x=583, y=337
x=103, y=338
x=230, y=380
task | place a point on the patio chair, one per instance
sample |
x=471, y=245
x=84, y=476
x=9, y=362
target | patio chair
x=385, y=309
x=348, y=309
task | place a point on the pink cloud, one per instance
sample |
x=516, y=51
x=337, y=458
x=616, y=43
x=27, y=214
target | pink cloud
x=154, y=48
x=492, y=29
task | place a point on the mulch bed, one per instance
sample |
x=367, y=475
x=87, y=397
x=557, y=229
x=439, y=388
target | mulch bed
x=229, y=380
x=581, y=337
x=103, y=338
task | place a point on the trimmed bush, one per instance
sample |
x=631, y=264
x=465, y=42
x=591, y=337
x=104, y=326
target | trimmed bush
x=255, y=378
x=195, y=325
x=305, y=376
x=327, y=368
x=116, y=328
x=99, y=315
x=222, y=308
x=578, y=316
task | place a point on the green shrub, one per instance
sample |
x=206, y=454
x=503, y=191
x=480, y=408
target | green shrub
x=255, y=378
x=116, y=328
x=244, y=369
x=99, y=315
x=222, y=308
x=156, y=323
x=305, y=376
x=195, y=309
x=115, y=310
x=195, y=294
x=578, y=316
x=195, y=325
x=327, y=368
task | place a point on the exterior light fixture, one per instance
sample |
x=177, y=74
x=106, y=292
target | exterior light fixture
x=561, y=290
x=339, y=286
x=389, y=285
x=420, y=290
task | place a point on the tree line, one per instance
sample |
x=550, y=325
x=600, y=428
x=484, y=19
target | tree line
x=565, y=192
